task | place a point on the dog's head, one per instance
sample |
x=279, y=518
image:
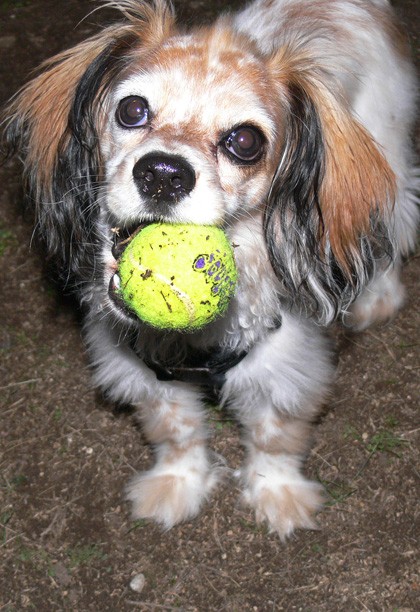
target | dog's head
x=143, y=122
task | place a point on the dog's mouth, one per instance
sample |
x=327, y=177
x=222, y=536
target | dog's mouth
x=121, y=238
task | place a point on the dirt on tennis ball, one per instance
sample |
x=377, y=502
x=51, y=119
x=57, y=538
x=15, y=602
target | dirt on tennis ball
x=177, y=276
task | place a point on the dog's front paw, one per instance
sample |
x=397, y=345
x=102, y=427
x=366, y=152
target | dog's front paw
x=283, y=499
x=169, y=495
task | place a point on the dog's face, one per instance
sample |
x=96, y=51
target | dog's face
x=143, y=123
x=191, y=134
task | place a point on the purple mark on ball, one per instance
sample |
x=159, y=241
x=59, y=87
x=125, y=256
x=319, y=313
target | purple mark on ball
x=200, y=263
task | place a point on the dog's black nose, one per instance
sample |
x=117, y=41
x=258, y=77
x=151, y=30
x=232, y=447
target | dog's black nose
x=164, y=179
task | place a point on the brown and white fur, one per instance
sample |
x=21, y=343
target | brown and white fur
x=293, y=120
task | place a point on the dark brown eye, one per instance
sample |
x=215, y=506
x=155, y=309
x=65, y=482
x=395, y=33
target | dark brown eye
x=132, y=112
x=245, y=143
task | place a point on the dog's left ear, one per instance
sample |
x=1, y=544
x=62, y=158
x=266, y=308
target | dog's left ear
x=327, y=214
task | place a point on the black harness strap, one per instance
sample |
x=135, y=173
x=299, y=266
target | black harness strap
x=205, y=369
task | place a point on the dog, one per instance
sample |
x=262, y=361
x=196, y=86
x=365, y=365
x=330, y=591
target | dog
x=286, y=124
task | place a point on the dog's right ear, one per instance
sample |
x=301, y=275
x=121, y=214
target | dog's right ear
x=54, y=124
x=327, y=219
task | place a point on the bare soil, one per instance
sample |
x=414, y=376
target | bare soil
x=66, y=538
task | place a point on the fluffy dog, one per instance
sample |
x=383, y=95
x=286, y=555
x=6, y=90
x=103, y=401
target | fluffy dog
x=286, y=124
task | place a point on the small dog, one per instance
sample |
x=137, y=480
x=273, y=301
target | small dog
x=287, y=125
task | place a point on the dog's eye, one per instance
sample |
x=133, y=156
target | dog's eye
x=132, y=112
x=245, y=143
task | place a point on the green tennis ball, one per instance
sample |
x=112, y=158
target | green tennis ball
x=177, y=276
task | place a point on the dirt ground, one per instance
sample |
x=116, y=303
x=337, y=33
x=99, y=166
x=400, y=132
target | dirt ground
x=66, y=539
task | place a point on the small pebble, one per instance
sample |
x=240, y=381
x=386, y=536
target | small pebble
x=137, y=583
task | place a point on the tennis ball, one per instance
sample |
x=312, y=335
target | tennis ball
x=177, y=276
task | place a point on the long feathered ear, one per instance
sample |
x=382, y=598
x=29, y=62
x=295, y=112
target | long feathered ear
x=54, y=123
x=327, y=215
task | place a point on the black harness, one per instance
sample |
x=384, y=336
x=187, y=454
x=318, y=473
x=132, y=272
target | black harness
x=206, y=369
x=203, y=369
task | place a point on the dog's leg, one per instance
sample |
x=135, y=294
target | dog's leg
x=173, y=420
x=382, y=298
x=183, y=477
x=379, y=302
x=273, y=483
x=276, y=392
